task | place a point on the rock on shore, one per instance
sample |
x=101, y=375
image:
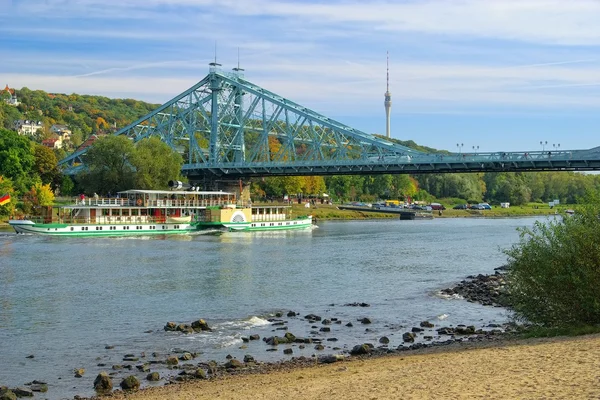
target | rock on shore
x=489, y=290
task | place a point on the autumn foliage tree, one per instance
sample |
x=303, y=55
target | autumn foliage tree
x=38, y=196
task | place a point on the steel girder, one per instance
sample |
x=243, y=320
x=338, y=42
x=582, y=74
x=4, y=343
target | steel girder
x=227, y=127
x=226, y=121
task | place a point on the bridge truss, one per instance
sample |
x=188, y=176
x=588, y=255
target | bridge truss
x=228, y=128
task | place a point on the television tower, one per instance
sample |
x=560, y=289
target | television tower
x=388, y=99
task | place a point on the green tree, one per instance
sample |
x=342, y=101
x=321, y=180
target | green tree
x=16, y=159
x=110, y=166
x=155, y=163
x=346, y=187
x=464, y=186
x=66, y=186
x=278, y=186
x=7, y=188
x=46, y=166
x=402, y=186
x=4, y=95
x=553, y=278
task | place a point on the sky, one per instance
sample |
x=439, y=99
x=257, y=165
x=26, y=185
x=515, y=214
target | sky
x=465, y=75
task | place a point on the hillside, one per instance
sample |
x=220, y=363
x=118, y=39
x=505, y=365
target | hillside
x=83, y=114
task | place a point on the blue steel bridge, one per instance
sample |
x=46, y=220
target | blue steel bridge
x=228, y=128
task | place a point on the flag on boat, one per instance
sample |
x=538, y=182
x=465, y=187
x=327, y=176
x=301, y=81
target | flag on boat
x=4, y=199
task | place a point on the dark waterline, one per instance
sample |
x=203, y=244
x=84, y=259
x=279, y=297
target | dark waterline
x=64, y=299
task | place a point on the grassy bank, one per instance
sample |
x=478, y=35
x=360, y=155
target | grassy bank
x=331, y=212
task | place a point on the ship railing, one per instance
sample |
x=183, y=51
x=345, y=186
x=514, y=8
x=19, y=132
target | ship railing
x=100, y=202
x=186, y=203
x=103, y=220
x=159, y=203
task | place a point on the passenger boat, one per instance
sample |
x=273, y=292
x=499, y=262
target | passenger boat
x=252, y=218
x=132, y=212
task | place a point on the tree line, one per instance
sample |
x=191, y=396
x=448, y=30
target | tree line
x=114, y=163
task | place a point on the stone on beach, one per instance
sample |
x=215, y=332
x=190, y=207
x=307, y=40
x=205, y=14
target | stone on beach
x=153, y=376
x=130, y=383
x=103, y=382
x=7, y=394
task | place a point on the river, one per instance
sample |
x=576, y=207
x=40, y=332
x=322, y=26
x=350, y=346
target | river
x=64, y=300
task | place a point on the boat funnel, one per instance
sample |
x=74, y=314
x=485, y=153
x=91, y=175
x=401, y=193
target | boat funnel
x=177, y=185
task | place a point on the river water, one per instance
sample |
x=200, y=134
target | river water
x=63, y=300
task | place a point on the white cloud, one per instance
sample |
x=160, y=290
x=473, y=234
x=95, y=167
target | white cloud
x=446, y=54
x=536, y=21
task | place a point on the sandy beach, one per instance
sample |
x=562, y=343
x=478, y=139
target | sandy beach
x=557, y=368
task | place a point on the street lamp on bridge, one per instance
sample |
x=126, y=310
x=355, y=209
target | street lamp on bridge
x=459, y=146
x=543, y=144
x=556, y=146
x=475, y=149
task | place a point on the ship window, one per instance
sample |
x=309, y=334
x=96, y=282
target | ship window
x=125, y=212
x=105, y=212
x=72, y=228
x=134, y=212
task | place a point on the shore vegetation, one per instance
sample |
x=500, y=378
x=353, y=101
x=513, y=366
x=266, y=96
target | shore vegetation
x=553, y=273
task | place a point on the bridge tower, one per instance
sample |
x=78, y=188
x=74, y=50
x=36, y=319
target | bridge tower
x=388, y=99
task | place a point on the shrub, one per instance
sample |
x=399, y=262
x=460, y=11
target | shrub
x=554, y=270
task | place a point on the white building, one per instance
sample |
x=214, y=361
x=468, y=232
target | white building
x=12, y=100
x=54, y=143
x=27, y=127
x=62, y=131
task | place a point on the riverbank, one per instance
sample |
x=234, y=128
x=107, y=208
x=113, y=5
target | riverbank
x=557, y=368
x=332, y=212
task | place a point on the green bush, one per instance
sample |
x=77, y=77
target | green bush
x=554, y=270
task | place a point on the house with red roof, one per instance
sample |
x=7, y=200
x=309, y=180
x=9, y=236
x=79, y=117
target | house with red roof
x=54, y=143
x=12, y=100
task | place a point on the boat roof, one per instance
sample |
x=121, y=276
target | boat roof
x=168, y=192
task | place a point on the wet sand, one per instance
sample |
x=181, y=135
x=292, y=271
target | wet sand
x=557, y=368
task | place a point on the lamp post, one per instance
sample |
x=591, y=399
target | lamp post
x=459, y=146
x=556, y=146
x=475, y=149
x=543, y=144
